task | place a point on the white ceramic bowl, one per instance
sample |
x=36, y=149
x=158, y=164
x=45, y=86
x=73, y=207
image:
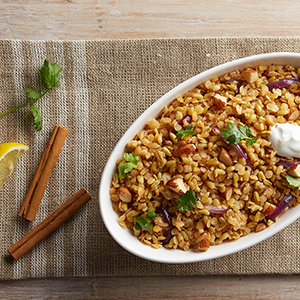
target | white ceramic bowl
x=124, y=237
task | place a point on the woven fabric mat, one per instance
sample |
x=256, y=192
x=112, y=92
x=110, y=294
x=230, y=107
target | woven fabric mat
x=105, y=86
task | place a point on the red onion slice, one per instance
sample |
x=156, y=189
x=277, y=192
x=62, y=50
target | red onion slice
x=186, y=117
x=216, y=210
x=282, y=83
x=283, y=204
x=217, y=129
x=287, y=164
x=242, y=152
x=162, y=211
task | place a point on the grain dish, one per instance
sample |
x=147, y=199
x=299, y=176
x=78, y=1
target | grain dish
x=237, y=188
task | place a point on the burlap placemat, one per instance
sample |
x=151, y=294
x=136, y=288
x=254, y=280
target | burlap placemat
x=105, y=85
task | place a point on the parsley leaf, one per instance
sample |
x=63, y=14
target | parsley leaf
x=186, y=201
x=294, y=181
x=151, y=214
x=50, y=74
x=131, y=157
x=185, y=132
x=131, y=163
x=37, y=119
x=234, y=135
x=142, y=222
x=251, y=141
x=50, y=78
x=35, y=95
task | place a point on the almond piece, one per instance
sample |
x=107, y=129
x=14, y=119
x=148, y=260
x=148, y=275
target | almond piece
x=228, y=193
x=188, y=148
x=250, y=75
x=293, y=114
x=225, y=157
x=177, y=185
x=220, y=101
x=294, y=171
x=268, y=209
x=202, y=242
x=124, y=194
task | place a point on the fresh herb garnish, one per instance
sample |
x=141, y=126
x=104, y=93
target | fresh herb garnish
x=50, y=78
x=151, y=214
x=131, y=163
x=294, y=181
x=234, y=135
x=142, y=222
x=185, y=132
x=37, y=118
x=186, y=201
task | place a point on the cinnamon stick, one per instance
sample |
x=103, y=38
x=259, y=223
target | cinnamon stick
x=42, y=230
x=40, y=180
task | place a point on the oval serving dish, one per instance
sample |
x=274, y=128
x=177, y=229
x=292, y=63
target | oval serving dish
x=124, y=237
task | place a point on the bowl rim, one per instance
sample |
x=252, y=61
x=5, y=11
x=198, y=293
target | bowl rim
x=124, y=237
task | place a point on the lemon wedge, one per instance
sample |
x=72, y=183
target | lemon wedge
x=9, y=156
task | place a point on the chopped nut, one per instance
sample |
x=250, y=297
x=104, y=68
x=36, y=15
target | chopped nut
x=293, y=115
x=220, y=101
x=225, y=157
x=177, y=185
x=250, y=75
x=202, y=242
x=228, y=193
x=294, y=171
x=124, y=194
x=188, y=148
x=268, y=209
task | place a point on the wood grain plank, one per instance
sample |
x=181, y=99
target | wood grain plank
x=105, y=19
x=152, y=288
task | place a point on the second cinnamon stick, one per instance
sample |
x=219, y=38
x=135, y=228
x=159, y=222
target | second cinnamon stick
x=42, y=230
x=40, y=180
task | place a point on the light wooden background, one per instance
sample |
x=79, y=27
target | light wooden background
x=113, y=19
x=98, y=19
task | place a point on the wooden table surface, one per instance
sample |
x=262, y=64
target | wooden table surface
x=111, y=19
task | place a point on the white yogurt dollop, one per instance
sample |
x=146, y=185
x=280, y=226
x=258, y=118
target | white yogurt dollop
x=285, y=139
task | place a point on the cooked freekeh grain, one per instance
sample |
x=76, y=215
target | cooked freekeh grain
x=233, y=199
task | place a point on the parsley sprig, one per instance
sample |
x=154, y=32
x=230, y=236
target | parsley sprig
x=234, y=135
x=185, y=132
x=50, y=78
x=145, y=222
x=186, y=201
x=294, y=181
x=131, y=163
